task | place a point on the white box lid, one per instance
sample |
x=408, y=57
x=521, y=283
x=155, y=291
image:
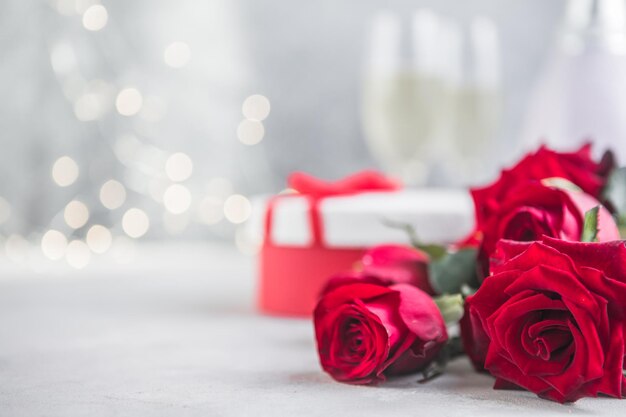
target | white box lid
x=361, y=220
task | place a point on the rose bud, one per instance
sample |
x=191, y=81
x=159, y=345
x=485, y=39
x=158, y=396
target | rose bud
x=398, y=264
x=551, y=318
x=577, y=167
x=533, y=209
x=387, y=265
x=366, y=332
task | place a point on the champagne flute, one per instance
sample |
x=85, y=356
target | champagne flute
x=400, y=94
x=477, y=104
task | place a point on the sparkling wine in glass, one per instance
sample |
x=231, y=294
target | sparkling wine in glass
x=402, y=93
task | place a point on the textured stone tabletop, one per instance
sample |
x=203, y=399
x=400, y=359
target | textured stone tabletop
x=175, y=333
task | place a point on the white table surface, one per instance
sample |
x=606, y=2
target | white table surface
x=175, y=334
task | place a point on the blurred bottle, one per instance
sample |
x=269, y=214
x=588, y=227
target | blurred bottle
x=581, y=94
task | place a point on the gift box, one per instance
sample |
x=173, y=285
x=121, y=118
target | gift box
x=311, y=235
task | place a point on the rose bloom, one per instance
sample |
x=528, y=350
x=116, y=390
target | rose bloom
x=367, y=331
x=577, y=167
x=551, y=318
x=387, y=265
x=532, y=210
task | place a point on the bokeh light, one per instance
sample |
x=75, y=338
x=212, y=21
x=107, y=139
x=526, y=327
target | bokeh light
x=77, y=254
x=95, y=17
x=99, y=239
x=177, y=54
x=135, y=222
x=256, y=107
x=250, y=132
x=237, y=209
x=53, y=244
x=65, y=171
x=62, y=58
x=112, y=194
x=178, y=167
x=76, y=214
x=128, y=101
x=177, y=199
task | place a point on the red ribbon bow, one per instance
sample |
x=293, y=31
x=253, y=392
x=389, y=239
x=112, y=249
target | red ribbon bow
x=360, y=182
x=316, y=189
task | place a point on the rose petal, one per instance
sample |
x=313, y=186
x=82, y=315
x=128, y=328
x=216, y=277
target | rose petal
x=557, y=281
x=612, y=290
x=613, y=381
x=385, y=255
x=609, y=257
x=507, y=323
x=535, y=254
x=475, y=339
x=420, y=314
x=505, y=251
x=351, y=277
x=345, y=293
x=386, y=310
x=583, y=368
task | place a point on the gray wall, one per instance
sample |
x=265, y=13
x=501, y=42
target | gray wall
x=305, y=56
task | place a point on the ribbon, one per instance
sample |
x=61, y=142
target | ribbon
x=315, y=189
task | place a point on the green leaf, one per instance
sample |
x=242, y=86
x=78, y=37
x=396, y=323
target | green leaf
x=615, y=190
x=451, y=307
x=590, y=227
x=621, y=224
x=450, y=273
x=615, y=193
x=434, y=251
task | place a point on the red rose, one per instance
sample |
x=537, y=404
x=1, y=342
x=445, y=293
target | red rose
x=388, y=265
x=366, y=332
x=532, y=210
x=551, y=318
x=577, y=167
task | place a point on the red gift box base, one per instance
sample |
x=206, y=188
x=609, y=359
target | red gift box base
x=292, y=277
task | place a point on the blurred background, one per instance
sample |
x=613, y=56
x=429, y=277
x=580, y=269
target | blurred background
x=150, y=121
